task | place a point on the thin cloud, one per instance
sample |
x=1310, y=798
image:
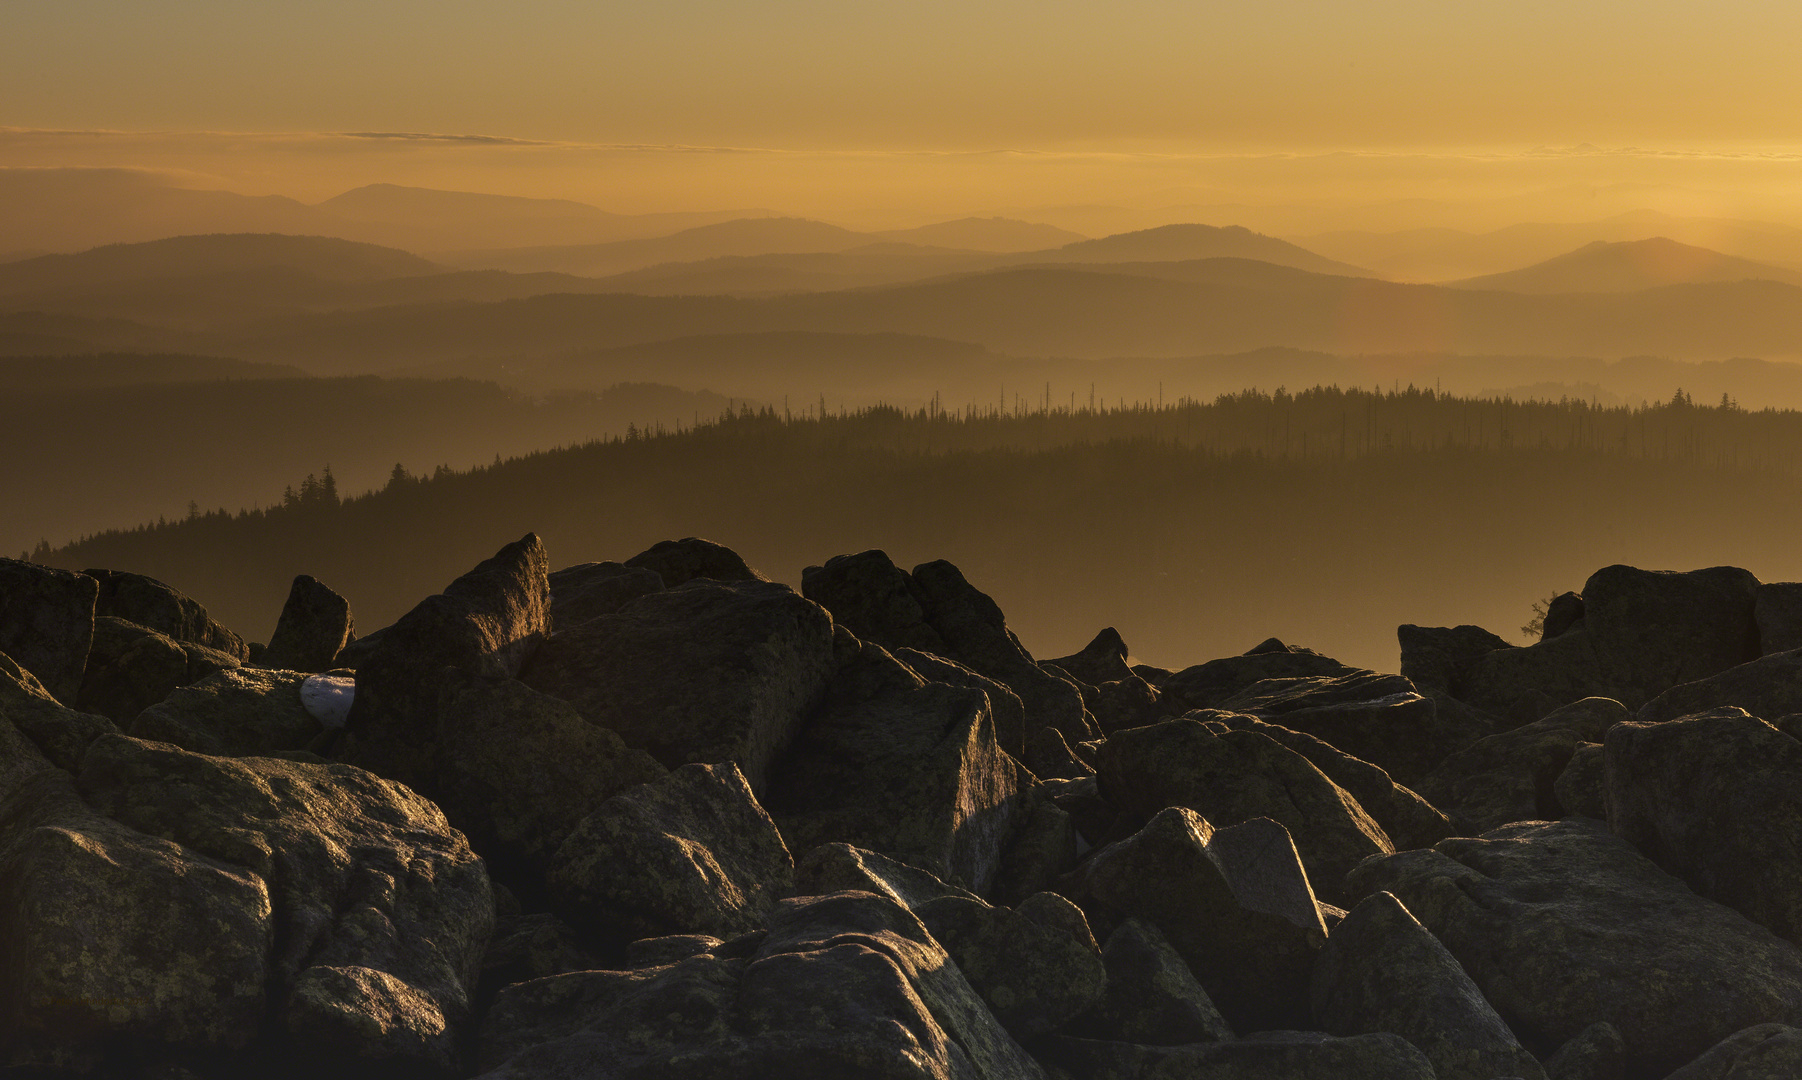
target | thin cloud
x=427, y=136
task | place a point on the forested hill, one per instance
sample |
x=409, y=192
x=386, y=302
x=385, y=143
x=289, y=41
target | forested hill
x=1326, y=517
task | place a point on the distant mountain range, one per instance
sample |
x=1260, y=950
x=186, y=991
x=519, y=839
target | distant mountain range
x=1630, y=266
x=767, y=249
x=340, y=307
x=69, y=210
x=1440, y=254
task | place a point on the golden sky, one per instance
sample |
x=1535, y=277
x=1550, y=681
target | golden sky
x=898, y=108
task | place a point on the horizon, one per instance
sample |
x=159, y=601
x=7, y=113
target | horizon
x=1289, y=119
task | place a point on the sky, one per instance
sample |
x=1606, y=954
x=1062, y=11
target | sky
x=706, y=104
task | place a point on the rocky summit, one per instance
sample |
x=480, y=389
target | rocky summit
x=663, y=817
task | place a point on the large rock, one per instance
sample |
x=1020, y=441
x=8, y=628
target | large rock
x=1716, y=800
x=1656, y=629
x=1232, y=776
x=1235, y=903
x=1290, y=1055
x=59, y=733
x=1101, y=661
x=483, y=625
x=708, y=671
x=1769, y=687
x=1004, y=705
x=1152, y=997
x=163, y=608
x=184, y=903
x=849, y=984
x=837, y=867
x=1582, y=787
x=1042, y=849
x=120, y=944
x=132, y=667
x=47, y=623
x=1211, y=685
x=517, y=771
x=1562, y=925
x=233, y=713
x=977, y=635
x=678, y=562
x=1434, y=658
x=902, y=766
x=1512, y=776
x=1642, y=632
x=314, y=626
x=690, y=853
x=1407, y=819
x=875, y=598
x=1777, y=609
x=1373, y=717
x=935, y=610
x=1763, y=1052
x=1035, y=966
x=581, y=592
x=1382, y=971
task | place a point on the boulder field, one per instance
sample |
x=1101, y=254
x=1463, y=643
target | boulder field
x=665, y=818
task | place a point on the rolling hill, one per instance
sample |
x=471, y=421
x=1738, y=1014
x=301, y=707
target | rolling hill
x=984, y=234
x=1629, y=266
x=428, y=219
x=1441, y=254
x=1184, y=243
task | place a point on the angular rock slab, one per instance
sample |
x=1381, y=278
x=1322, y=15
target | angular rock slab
x=1716, y=800
x=678, y=562
x=976, y=632
x=132, y=667
x=838, y=867
x=1642, y=632
x=1036, y=966
x=875, y=598
x=59, y=733
x=708, y=671
x=1372, y=717
x=1211, y=685
x=1382, y=971
x=1406, y=818
x=314, y=626
x=581, y=592
x=483, y=625
x=1777, y=608
x=233, y=713
x=1233, y=776
x=845, y=985
x=1512, y=776
x=1152, y=997
x=935, y=610
x=163, y=608
x=381, y=910
x=690, y=853
x=1562, y=925
x=181, y=902
x=906, y=767
x=1235, y=903
x=1769, y=687
x=517, y=771
x=47, y=623
x=114, y=942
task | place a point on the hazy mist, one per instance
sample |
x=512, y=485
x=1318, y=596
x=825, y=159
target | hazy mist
x=1227, y=321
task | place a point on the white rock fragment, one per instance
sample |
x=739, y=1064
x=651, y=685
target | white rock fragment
x=327, y=698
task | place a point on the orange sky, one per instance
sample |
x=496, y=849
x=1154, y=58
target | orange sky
x=931, y=107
